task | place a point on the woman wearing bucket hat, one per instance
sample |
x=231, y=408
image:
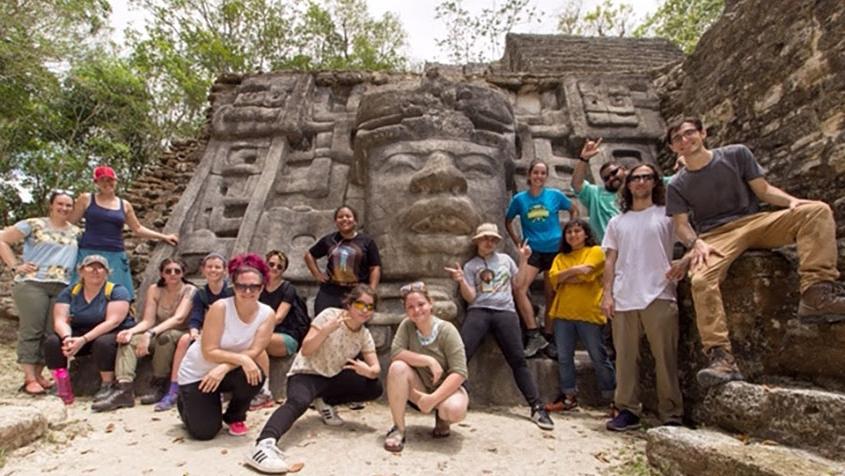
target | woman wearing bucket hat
x=486, y=283
x=537, y=209
x=49, y=254
x=86, y=318
x=105, y=214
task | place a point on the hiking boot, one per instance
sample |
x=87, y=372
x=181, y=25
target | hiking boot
x=121, y=397
x=722, y=368
x=158, y=387
x=266, y=457
x=563, y=403
x=105, y=389
x=536, y=343
x=541, y=418
x=327, y=413
x=624, y=421
x=821, y=302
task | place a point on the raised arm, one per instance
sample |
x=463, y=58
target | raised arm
x=590, y=149
x=79, y=206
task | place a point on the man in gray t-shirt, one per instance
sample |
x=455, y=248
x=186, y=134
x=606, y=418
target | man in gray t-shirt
x=714, y=205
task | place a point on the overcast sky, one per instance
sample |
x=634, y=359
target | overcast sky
x=417, y=17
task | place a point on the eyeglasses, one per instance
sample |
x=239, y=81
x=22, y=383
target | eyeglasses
x=610, y=174
x=279, y=266
x=685, y=134
x=412, y=287
x=175, y=271
x=364, y=306
x=248, y=288
x=642, y=178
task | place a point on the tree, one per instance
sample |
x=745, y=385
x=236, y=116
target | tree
x=188, y=43
x=682, y=21
x=480, y=38
x=606, y=19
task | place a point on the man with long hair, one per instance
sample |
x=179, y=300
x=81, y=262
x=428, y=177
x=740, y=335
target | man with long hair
x=639, y=296
x=715, y=206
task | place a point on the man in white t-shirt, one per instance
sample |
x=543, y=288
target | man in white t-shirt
x=639, y=296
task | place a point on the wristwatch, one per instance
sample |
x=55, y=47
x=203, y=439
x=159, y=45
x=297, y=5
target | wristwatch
x=151, y=333
x=691, y=242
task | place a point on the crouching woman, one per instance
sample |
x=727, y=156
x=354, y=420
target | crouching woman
x=428, y=370
x=230, y=356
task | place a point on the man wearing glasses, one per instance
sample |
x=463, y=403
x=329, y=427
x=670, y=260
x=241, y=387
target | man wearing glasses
x=715, y=206
x=600, y=201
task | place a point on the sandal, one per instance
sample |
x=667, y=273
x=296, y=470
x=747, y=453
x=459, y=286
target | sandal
x=394, y=441
x=32, y=387
x=45, y=383
x=441, y=427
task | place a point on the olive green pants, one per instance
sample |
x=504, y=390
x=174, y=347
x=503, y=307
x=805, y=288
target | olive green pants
x=34, y=301
x=162, y=348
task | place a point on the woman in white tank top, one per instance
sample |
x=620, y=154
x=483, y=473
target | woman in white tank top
x=230, y=356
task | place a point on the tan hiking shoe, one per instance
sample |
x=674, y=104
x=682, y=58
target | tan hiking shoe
x=820, y=302
x=722, y=368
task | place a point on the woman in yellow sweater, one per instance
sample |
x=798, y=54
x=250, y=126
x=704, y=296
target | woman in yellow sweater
x=576, y=275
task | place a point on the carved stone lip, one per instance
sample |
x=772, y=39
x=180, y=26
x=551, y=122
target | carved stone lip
x=441, y=216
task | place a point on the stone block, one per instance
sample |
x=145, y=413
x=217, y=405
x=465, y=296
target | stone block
x=679, y=451
x=20, y=425
x=806, y=418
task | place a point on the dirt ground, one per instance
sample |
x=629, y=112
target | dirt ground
x=491, y=441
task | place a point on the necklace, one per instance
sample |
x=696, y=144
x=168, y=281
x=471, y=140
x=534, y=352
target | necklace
x=427, y=340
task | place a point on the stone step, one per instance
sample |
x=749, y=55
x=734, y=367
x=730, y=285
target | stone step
x=805, y=418
x=680, y=451
x=20, y=425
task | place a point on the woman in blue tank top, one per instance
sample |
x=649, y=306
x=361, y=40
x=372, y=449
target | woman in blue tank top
x=105, y=214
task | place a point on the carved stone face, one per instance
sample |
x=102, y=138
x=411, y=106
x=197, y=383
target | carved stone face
x=425, y=198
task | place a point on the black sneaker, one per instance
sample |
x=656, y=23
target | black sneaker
x=105, y=389
x=541, y=418
x=536, y=343
x=624, y=421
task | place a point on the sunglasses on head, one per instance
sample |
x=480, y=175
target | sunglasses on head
x=363, y=306
x=251, y=288
x=409, y=288
x=176, y=271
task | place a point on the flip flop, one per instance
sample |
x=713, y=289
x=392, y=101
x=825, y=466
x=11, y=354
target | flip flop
x=394, y=441
x=32, y=387
x=45, y=383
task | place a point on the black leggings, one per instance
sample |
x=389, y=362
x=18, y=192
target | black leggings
x=329, y=295
x=104, y=349
x=202, y=412
x=345, y=387
x=505, y=327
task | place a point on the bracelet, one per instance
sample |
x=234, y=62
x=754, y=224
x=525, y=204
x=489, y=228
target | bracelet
x=64, y=338
x=84, y=339
x=691, y=242
x=151, y=333
x=586, y=161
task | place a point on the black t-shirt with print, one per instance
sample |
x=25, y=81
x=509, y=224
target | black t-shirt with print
x=349, y=260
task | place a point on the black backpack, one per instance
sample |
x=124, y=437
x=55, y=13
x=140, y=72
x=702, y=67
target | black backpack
x=297, y=322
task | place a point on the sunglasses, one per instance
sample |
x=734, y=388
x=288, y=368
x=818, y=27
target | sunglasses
x=412, y=287
x=175, y=271
x=279, y=266
x=642, y=178
x=248, y=288
x=364, y=306
x=610, y=174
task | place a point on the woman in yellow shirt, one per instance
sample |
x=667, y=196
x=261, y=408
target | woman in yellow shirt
x=576, y=275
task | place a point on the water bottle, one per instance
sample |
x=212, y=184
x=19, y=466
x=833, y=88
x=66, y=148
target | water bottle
x=64, y=390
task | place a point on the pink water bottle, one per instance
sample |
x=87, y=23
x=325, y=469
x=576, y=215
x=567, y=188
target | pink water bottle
x=64, y=390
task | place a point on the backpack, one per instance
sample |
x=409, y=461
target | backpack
x=77, y=288
x=297, y=322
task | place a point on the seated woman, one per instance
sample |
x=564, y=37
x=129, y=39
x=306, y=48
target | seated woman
x=576, y=312
x=86, y=318
x=291, y=324
x=428, y=370
x=213, y=268
x=486, y=283
x=230, y=355
x=165, y=320
x=325, y=369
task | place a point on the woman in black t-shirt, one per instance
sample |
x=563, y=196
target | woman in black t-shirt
x=352, y=258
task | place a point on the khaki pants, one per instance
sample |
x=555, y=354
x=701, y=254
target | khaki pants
x=660, y=323
x=162, y=349
x=810, y=226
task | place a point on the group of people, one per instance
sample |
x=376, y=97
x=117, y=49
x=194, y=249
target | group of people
x=615, y=271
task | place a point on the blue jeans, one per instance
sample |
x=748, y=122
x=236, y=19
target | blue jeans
x=566, y=334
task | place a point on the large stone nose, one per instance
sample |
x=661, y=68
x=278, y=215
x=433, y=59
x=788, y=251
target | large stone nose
x=439, y=175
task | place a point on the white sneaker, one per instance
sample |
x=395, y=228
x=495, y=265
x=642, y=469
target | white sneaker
x=266, y=457
x=327, y=413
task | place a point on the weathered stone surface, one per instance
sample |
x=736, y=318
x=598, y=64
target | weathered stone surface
x=679, y=451
x=52, y=409
x=804, y=418
x=20, y=425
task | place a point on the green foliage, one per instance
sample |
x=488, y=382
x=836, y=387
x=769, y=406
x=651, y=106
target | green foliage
x=606, y=19
x=480, y=38
x=189, y=43
x=682, y=21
